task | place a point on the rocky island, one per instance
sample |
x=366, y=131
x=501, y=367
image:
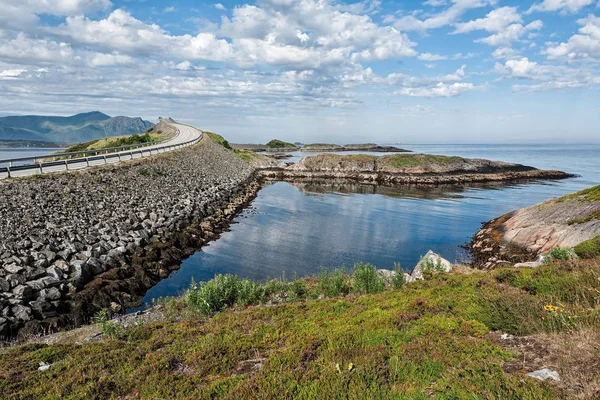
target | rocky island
x=366, y=147
x=400, y=169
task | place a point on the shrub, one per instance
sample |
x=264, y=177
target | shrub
x=250, y=293
x=334, y=283
x=588, y=249
x=108, y=327
x=431, y=267
x=366, y=279
x=398, y=280
x=560, y=254
x=215, y=295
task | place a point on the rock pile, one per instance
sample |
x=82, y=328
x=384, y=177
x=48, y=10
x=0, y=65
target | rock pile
x=71, y=244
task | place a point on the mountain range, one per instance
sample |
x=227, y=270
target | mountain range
x=74, y=129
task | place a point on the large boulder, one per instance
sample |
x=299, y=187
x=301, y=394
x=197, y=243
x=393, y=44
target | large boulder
x=430, y=263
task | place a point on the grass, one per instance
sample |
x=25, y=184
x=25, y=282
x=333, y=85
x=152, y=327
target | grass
x=407, y=161
x=589, y=194
x=428, y=339
x=321, y=145
x=593, y=216
x=116, y=141
x=279, y=144
x=589, y=249
x=219, y=139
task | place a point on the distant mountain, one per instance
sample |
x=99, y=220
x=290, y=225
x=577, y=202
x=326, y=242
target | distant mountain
x=77, y=128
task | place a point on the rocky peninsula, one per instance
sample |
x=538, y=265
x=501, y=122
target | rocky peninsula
x=523, y=235
x=75, y=243
x=402, y=169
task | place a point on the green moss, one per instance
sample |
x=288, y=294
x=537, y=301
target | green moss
x=279, y=144
x=588, y=249
x=426, y=339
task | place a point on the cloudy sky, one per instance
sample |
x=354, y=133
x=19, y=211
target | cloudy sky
x=390, y=71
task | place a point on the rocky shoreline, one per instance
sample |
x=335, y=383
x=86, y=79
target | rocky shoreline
x=522, y=236
x=406, y=169
x=75, y=243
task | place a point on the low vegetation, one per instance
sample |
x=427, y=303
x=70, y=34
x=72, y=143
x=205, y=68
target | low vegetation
x=589, y=249
x=321, y=338
x=117, y=141
x=219, y=139
x=589, y=194
x=406, y=161
x=279, y=144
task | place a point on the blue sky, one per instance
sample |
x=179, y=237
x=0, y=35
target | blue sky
x=387, y=71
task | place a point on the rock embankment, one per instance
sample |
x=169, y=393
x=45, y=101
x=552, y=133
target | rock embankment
x=74, y=243
x=407, y=169
x=525, y=234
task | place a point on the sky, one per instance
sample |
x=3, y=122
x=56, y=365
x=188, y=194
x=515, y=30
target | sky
x=418, y=71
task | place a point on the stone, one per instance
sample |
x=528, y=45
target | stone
x=21, y=312
x=62, y=265
x=50, y=294
x=4, y=285
x=43, y=366
x=55, y=272
x=432, y=259
x=14, y=268
x=43, y=309
x=35, y=273
x=23, y=292
x=544, y=374
x=16, y=280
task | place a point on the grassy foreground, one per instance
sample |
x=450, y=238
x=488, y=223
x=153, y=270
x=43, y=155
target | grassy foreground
x=416, y=341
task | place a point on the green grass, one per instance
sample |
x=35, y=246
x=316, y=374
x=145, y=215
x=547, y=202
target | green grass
x=589, y=194
x=245, y=155
x=321, y=145
x=406, y=161
x=427, y=339
x=589, y=249
x=219, y=139
x=110, y=142
x=279, y=144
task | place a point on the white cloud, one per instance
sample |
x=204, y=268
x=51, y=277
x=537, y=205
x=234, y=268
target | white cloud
x=582, y=46
x=106, y=60
x=564, y=6
x=11, y=73
x=546, y=77
x=495, y=21
x=510, y=34
x=505, y=52
x=22, y=49
x=169, y=9
x=439, y=90
x=443, y=18
x=220, y=6
x=431, y=57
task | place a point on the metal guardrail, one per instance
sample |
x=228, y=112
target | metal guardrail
x=130, y=150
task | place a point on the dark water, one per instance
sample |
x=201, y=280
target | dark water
x=295, y=230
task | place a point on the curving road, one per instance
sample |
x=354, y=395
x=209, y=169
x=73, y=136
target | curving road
x=186, y=136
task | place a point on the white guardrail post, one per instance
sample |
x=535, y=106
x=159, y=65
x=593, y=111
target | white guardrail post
x=131, y=150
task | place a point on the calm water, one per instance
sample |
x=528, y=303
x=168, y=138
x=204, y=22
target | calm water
x=7, y=154
x=295, y=230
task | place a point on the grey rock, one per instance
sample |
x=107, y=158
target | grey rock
x=544, y=374
x=21, y=312
x=50, y=294
x=14, y=268
x=35, y=273
x=430, y=258
x=23, y=292
x=4, y=285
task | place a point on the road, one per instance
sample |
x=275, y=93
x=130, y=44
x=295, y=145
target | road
x=185, y=135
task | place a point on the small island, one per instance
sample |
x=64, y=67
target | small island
x=370, y=147
x=397, y=169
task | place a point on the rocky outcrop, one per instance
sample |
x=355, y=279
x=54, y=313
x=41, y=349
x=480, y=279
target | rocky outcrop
x=523, y=235
x=71, y=244
x=370, y=147
x=412, y=169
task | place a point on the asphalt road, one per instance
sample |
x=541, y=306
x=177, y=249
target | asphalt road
x=185, y=134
